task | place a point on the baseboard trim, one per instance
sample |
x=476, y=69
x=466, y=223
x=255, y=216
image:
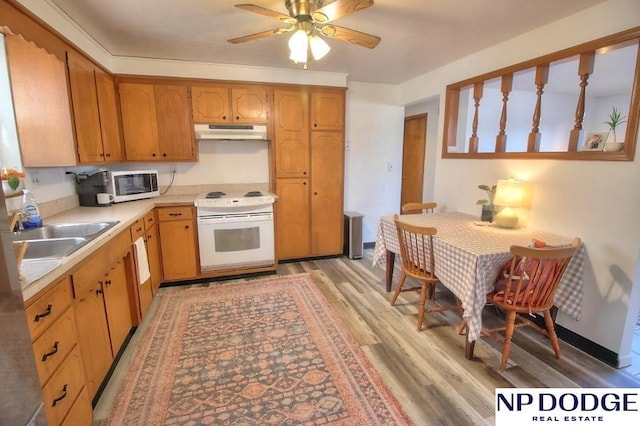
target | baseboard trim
x=585, y=345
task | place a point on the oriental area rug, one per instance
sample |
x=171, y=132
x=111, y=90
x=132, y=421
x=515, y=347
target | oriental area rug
x=264, y=352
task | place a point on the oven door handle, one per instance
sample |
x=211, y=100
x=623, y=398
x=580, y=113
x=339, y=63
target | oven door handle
x=235, y=218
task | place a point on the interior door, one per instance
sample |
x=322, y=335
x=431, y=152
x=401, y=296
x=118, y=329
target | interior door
x=413, y=149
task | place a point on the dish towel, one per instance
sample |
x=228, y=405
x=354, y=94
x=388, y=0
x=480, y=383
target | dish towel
x=142, y=261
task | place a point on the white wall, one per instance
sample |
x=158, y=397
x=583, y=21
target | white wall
x=374, y=128
x=597, y=201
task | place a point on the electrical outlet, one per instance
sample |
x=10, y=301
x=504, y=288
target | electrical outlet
x=389, y=166
x=347, y=146
x=173, y=168
x=35, y=177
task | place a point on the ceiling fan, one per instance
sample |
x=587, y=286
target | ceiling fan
x=310, y=19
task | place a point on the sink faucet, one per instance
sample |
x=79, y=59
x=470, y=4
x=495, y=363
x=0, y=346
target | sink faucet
x=16, y=222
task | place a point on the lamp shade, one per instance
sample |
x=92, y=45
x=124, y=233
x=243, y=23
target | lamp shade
x=510, y=194
x=298, y=43
x=319, y=47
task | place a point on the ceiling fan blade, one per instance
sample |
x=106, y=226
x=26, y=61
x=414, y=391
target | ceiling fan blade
x=338, y=9
x=266, y=12
x=260, y=35
x=350, y=36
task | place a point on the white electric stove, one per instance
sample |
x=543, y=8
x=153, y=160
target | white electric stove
x=235, y=230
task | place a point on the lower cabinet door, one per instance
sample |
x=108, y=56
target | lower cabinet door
x=93, y=336
x=117, y=306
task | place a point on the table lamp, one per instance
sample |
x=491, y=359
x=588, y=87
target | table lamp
x=510, y=194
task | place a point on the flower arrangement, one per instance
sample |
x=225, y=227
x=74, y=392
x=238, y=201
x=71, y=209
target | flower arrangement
x=491, y=194
x=12, y=176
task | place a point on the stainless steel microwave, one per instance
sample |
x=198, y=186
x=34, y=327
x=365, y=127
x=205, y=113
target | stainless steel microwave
x=133, y=185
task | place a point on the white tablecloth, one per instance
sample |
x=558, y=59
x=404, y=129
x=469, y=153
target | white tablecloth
x=468, y=258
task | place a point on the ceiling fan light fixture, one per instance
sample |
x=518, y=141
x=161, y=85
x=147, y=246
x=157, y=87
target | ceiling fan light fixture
x=319, y=47
x=299, y=44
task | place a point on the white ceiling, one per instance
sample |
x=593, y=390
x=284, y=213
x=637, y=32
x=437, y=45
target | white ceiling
x=417, y=35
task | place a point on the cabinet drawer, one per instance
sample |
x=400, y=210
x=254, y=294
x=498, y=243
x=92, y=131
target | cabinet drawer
x=137, y=229
x=149, y=220
x=48, y=307
x=175, y=213
x=54, y=345
x=90, y=272
x=81, y=413
x=62, y=389
x=118, y=247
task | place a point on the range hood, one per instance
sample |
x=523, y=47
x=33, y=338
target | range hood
x=230, y=132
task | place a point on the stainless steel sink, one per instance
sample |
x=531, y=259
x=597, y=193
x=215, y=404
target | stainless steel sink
x=60, y=239
x=53, y=247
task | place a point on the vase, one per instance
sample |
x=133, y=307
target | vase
x=11, y=191
x=487, y=213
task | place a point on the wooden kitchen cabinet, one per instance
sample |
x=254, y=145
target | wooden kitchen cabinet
x=178, y=244
x=102, y=288
x=327, y=182
x=59, y=364
x=156, y=122
x=145, y=292
x=327, y=110
x=153, y=251
x=230, y=105
x=293, y=220
x=94, y=110
x=309, y=166
x=41, y=105
x=291, y=133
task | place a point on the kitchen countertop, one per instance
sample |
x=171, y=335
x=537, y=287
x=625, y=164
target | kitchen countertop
x=126, y=213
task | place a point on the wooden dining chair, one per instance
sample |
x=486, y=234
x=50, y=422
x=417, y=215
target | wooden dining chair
x=417, y=253
x=529, y=287
x=410, y=208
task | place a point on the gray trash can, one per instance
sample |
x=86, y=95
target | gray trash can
x=353, y=246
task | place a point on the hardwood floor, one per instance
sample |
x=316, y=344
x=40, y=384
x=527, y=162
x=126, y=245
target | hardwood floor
x=425, y=370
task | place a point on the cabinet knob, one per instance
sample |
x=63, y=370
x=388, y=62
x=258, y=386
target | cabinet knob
x=164, y=154
x=108, y=155
x=224, y=117
x=237, y=117
x=107, y=282
x=304, y=173
x=315, y=124
x=186, y=227
x=99, y=292
x=315, y=193
x=153, y=154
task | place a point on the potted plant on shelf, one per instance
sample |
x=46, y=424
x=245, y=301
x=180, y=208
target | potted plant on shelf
x=615, y=119
x=488, y=209
x=11, y=180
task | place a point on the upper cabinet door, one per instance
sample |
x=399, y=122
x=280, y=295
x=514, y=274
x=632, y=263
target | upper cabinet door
x=291, y=124
x=211, y=105
x=249, y=105
x=327, y=110
x=41, y=105
x=108, y=111
x=139, y=123
x=84, y=99
x=176, y=134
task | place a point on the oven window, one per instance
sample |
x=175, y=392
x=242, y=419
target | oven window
x=230, y=240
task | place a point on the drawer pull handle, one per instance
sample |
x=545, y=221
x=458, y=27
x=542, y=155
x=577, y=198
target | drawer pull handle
x=175, y=214
x=53, y=352
x=61, y=397
x=108, y=282
x=45, y=314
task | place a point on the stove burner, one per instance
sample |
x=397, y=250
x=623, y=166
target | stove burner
x=215, y=194
x=253, y=194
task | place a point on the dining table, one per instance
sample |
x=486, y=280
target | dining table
x=468, y=257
